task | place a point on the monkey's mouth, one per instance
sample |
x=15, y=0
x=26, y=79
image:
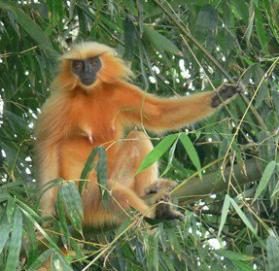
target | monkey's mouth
x=87, y=81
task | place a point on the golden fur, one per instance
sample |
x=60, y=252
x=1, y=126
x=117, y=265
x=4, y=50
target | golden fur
x=75, y=119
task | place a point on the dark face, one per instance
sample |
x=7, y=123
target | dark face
x=86, y=69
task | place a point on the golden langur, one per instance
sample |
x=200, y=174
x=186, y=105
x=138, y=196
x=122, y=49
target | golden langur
x=91, y=105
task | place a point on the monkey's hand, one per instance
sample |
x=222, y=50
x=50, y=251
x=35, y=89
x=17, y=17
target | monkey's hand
x=225, y=92
x=164, y=209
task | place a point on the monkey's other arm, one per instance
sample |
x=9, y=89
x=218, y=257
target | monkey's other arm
x=163, y=114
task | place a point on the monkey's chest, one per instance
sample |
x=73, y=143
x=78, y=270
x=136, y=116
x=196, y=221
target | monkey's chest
x=98, y=129
x=96, y=122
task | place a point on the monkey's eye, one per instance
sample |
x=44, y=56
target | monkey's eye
x=94, y=61
x=77, y=65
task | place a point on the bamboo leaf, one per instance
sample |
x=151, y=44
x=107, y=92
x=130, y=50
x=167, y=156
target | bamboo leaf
x=73, y=204
x=242, y=266
x=101, y=169
x=224, y=214
x=102, y=175
x=33, y=29
x=130, y=38
x=89, y=166
x=160, y=42
x=191, y=151
x=157, y=152
x=261, y=32
x=4, y=232
x=272, y=248
x=171, y=156
x=43, y=258
x=243, y=217
x=207, y=18
x=58, y=263
x=234, y=256
x=239, y=260
x=61, y=213
x=268, y=171
x=41, y=230
x=15, y=242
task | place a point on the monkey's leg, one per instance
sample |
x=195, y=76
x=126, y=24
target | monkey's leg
x=129, y=157
x=126, y=198
x=130, y=154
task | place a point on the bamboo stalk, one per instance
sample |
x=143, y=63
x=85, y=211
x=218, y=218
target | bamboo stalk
x=212, y=183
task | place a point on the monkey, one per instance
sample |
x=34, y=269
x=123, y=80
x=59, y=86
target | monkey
x=92, y=102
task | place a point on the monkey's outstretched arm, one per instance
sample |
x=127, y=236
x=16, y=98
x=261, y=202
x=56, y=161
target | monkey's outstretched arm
x=160, y=115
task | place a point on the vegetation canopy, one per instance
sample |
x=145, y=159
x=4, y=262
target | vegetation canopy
x=226, y=166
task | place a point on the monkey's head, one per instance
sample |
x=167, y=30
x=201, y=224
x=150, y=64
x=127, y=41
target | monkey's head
x=90, y=63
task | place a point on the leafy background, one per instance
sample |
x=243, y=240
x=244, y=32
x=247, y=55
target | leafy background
x=177, y=48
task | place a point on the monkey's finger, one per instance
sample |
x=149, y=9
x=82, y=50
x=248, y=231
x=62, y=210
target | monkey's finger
x=224, y=93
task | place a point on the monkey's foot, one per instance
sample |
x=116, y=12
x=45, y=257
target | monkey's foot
x=225, y=92
x=164, y=209
x=160, y=185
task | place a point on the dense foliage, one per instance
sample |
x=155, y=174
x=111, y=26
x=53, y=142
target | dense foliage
x=175, y=47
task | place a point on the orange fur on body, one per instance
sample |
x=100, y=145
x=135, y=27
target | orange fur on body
x=77, y=118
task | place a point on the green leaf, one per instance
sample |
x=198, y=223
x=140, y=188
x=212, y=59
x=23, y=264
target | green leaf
x=157, y=152
x=152, y=253
x=43, y=258
x=101, y=170
x=5, y=229
x=239, y=260
x=261, y=32
x=272, y=249
x=224, y=214
x=242, y=266
x=41, y=230
x=130, y=38
x=240, y=9
x=11, y=205
x=58, y=263
x=61, y=214
x=191, y=151
x=243, y=217
x=33, y=29
x=249, y=30
x=73, y=204
x=268, y=171
x=160, y=42
x=89, y=165
x=102, y=175
x=171, y=156
x=55, y=11
x=234, y=256
x=15, y=242
x=207, y=19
